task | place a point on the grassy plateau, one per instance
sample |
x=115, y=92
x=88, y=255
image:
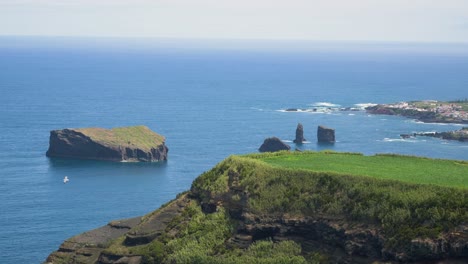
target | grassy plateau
x=134, y=137
x=419, y=170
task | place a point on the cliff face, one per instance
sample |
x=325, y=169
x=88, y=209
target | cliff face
x=239, y=203
x=104, y=144
x=325, y=135
x=326, y=233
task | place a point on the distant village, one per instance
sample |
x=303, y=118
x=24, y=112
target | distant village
x=450, y=110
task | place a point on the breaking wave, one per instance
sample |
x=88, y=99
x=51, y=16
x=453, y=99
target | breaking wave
x=398, y=140
x=363, y=106
x=325, y=104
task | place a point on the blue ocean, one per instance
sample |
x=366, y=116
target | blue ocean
x=209, y=101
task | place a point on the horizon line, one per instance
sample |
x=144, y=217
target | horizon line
x=202, y=39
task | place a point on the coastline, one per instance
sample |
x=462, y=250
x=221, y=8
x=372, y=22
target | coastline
x=428, y=111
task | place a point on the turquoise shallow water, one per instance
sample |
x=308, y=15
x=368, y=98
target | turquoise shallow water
x=208, y=103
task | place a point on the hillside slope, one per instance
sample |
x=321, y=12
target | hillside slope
x=246, y=210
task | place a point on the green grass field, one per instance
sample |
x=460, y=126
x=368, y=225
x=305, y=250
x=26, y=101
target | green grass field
x=447, y=173
x=135, y=137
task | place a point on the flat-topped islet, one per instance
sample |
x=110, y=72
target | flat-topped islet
x=132, y=144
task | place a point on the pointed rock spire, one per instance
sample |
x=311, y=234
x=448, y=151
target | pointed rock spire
x=299, y=134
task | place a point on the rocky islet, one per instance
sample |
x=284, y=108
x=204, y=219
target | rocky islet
x=124, y=144
x=325, y=134
x=273, y=144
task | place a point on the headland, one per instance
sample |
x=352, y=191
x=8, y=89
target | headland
x=297, y=207
x=428, y=111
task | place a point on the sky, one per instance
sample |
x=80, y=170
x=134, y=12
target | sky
x=324, y=20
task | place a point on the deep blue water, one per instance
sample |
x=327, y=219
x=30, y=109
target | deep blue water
x=209, y=103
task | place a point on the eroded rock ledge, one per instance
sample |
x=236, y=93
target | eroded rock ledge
x=87, y=247
x=137, y=143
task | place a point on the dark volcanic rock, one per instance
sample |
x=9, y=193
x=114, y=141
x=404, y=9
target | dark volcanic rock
x=380, y=110
x=325, y=134
x=119, y=144
x=87, y=247
x=405, y=136
x=299, y=134
x=273, y=144
x=460, y=135
x=90, y=246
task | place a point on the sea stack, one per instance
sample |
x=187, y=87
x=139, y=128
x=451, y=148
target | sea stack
x=299, y=134
x=325, y=135
x=273, y=144
x=133, y=144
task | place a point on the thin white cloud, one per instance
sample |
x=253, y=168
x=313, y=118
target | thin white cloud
x=29, y=3
x=396, y=20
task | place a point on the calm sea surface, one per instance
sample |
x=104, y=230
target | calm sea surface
x=209, y=103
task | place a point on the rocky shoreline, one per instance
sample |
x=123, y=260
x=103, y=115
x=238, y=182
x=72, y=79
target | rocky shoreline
x=429, y=111
x=459, y=135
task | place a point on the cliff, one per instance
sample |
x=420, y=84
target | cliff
x=252, y=209
x=137, y=143
x=325, y=134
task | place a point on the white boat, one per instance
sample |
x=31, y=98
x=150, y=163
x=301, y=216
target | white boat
x=65, y=180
